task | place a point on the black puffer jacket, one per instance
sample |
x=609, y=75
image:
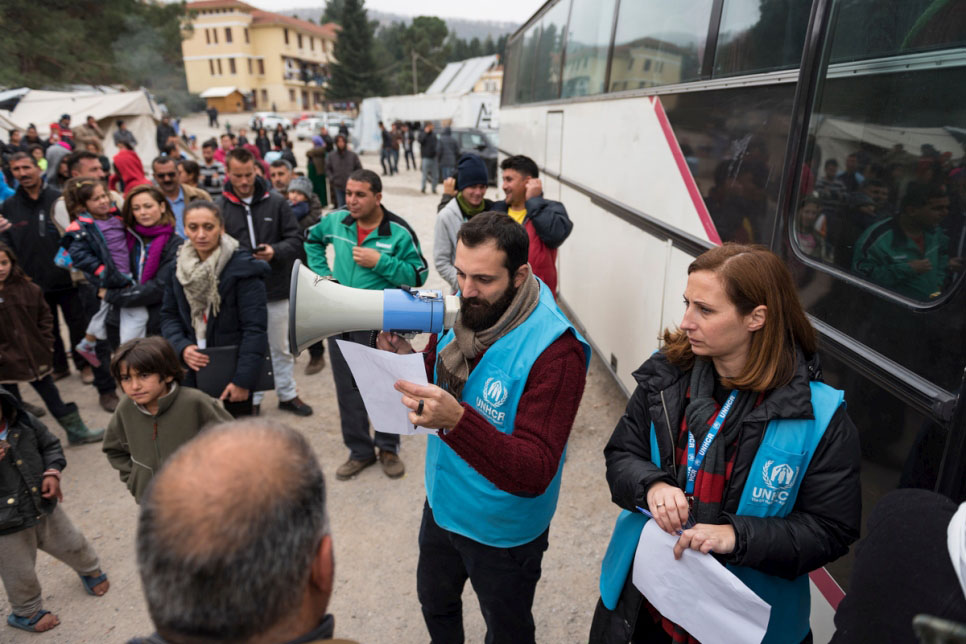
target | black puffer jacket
x=242, y=319
x=827, y=513
x=149, y=294
x=33, y=450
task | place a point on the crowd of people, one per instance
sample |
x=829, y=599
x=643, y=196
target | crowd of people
x=175, y=288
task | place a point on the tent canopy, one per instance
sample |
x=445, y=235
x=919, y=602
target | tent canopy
x=461, y=76
x=138, y=111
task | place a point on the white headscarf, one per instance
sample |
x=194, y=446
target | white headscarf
x=956, y=542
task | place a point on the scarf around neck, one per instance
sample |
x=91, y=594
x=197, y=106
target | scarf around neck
x=199, y=279
x=159, y=236
x=454, y=360
x=469, y=210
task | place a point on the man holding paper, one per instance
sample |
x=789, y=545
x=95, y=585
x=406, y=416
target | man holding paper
x=509, y=377
x=374, y=249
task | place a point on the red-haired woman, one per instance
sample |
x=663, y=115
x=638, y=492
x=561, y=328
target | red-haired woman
x=735, y=447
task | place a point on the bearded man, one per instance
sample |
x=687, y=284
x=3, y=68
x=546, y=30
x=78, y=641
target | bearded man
x=508, y=380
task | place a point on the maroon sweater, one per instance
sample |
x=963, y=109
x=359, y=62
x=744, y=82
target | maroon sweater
x=524, y=462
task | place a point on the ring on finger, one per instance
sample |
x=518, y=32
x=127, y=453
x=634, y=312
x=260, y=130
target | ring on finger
x=659, y=505
x=419, y=409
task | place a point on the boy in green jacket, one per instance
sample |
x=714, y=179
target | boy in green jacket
x=374, y=249
x=156, y=416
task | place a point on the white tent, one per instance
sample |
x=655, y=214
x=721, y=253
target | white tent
x=477, y=110
x=138, y=111
x=840, y=138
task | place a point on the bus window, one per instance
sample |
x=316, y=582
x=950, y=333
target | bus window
x=511, y=71
x=760, y=36
x=887, y=157
x=588, y=39
x=659, y=42
x=875, y=28
x=553, y=27
x=527, y=57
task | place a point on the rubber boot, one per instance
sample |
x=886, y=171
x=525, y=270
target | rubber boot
x=77, y=432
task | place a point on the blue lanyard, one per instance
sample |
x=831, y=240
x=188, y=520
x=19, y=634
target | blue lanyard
x=694, y=462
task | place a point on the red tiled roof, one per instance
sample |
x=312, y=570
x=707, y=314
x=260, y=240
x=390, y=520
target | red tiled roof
x=271, y=18
x=226, y=4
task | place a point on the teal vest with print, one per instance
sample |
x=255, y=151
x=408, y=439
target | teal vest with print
x=770, y=491
x=462, y=500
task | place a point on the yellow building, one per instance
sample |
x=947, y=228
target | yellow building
x=275, y=61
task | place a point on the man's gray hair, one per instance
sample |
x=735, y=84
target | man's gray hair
x=240, y=566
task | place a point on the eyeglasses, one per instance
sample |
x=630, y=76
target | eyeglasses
x=165, y=175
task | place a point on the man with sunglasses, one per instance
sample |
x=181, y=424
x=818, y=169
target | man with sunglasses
x=165, y=171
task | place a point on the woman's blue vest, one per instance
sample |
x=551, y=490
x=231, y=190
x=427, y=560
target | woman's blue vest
x=462, y=500
x=772, y=487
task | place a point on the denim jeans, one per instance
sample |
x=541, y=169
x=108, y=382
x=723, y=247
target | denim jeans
x=430, y=169
x=339, y=198
x=504, y=579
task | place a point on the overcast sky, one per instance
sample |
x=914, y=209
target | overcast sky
x=500, y=10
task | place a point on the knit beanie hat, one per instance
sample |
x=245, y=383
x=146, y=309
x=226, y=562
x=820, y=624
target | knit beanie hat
x=470, y=171
x=301, y=184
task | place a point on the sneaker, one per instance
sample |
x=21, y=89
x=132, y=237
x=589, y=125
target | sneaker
x=86, y=351
x=108, y=401
x=352, y=467
x=33, y=410
x=59, y=375
x=316, y=364
x=87, y=375
x=296, y=406
x=392, y=465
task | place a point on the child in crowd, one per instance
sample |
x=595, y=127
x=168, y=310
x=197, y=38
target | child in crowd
x=37, y=152
x=153, y=246
x=31, y=460
x=157, y=415
x=98, y=246
x=299, y=198
x=811, y=230
x=27, y=346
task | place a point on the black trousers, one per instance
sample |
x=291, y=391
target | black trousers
x=317, y=350
x=69, y=303
x=48, y=392
x=504, y=580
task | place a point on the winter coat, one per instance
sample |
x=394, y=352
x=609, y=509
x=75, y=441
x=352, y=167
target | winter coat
x=242, y=319
x=274, y=224
x=125, y=136
x=26, y=333
x=137, y=443
x=130, y=171
x=428, y=145
x=90, y=255
x=449, y=220
x=448, y=151
x=401, y=262
x=162, y=134
x=339, y=165
x=33, y=450
x=548, y=225
x=826, y=516
x=54, y=155
x=151, y=293
x=35, y=238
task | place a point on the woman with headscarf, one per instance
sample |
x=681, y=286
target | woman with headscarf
x=316, y=166
x=216, y=298
x=57, y=172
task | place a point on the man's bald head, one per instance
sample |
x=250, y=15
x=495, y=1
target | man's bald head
x=229, y=532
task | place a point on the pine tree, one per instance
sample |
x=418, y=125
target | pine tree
x=354, y=74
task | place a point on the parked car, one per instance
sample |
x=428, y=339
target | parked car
x=334, y=119
x=309, y=127
x=301, y=117
x=269, y=121
x=477, y=142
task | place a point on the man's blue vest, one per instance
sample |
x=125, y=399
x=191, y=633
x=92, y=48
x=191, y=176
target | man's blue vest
x=462, y=500
x=770, y=491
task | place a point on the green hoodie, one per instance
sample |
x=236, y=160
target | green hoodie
x=137, y=443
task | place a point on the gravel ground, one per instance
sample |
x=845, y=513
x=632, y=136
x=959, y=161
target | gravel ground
x=375, y=520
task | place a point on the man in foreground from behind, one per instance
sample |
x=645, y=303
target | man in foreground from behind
x=509, y=377
x=236, y=492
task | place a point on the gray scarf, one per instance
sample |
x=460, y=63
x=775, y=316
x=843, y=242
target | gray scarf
x=200, y=281
x=453, y=367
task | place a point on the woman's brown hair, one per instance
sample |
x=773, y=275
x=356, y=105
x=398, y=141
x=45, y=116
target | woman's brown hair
x=754, y=276
x=16, y=273
x=167, y=217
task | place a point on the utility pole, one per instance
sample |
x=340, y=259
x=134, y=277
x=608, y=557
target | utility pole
x=415, y=84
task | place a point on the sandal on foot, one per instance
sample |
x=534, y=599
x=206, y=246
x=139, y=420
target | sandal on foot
x=27, y=623
x=90, y=582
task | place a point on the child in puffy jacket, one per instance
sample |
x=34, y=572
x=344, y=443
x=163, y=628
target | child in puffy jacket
x=97, y=241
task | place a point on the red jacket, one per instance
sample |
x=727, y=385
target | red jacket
x=130, y=170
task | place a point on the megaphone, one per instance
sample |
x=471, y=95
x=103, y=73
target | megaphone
x=319, y=307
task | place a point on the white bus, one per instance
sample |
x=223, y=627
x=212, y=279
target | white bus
x=666, y=126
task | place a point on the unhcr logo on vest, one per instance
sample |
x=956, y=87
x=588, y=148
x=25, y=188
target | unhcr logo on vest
x=777, y=479
x=495, y=393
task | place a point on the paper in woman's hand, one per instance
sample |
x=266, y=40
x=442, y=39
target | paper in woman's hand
x=696, y=592
x=376, y=372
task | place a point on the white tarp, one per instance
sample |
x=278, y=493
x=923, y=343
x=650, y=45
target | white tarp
x=460, y=77
x=139, y=113
x=840, y=138
x=479, y=110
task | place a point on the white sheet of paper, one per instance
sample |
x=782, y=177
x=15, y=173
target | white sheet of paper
x=375, y=372
x=697, y=592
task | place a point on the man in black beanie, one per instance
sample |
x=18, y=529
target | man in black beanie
x=469, y=188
